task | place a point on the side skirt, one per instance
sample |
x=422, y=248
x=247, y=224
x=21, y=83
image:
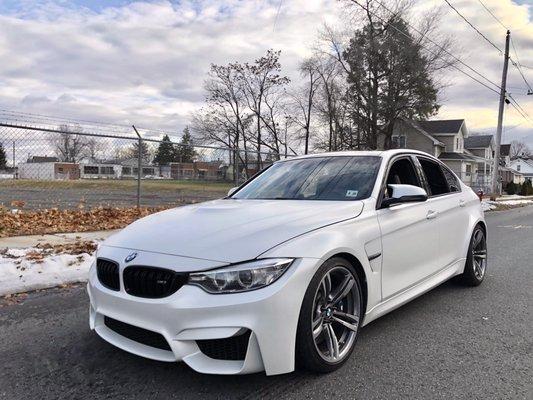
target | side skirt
x=412, y=292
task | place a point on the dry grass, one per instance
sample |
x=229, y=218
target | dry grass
x=115, y=184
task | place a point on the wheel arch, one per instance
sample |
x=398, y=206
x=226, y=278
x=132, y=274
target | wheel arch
x=483, y=226
x=354, y=261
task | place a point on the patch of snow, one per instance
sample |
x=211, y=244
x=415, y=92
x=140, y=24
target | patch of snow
x=488, y=205
x=515, y=202
x=18, y=274
x=6, y=176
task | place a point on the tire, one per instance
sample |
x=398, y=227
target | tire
x=476, y=259
x=320, y=315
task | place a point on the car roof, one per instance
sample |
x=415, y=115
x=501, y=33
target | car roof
x=353, y=153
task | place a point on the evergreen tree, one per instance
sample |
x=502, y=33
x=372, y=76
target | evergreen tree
x=510, y=188
x=527, y=188
x=3, y=160
x=185, y=151
x=389, y=78
x=145, y=151
x=165, y=152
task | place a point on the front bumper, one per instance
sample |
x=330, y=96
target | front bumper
x=190, y=314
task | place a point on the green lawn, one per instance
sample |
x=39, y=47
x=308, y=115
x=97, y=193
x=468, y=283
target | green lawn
x=109, y=184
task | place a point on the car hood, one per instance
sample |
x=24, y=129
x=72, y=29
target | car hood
x=230, y=230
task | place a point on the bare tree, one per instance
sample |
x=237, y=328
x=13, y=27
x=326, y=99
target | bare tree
x=519, y=149
x=69, y=145
x=305, y=97
x=225, y=119
x=95, y=148
x=259, y=82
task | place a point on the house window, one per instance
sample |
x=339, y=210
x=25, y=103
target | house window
x=107, y=170
x=399, y=142
x=126, y=171
x=518, y=167
x=148, y=171
x=90, y=169
x=457, y=144
x=60, y=169
x=468, y=169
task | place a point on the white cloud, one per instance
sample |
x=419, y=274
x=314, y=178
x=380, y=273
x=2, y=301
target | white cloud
x=145, y=62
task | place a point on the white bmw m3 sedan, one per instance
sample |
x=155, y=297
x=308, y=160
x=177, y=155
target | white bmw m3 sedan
x=285, y=270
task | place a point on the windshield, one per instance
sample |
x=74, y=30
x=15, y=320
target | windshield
x=316, y=178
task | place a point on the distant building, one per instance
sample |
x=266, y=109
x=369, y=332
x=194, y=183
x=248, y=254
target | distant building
x=42, y=159
x=471, y=157
x=524, y=166
x=48, y=170
x=97, y=170
x=197, y=170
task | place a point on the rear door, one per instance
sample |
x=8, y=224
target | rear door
x=447, y=199
x=409, y=234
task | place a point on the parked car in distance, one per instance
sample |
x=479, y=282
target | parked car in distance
x=288, y=267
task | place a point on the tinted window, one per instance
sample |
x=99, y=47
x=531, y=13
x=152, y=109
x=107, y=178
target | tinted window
x=402, y=172
x=317, y=178
x=451, y=179
x=435, y=177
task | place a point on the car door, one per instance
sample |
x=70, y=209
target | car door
x=409, y=237
x=447, y=199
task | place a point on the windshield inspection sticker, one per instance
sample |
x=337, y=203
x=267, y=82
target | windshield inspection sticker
x=352, y=193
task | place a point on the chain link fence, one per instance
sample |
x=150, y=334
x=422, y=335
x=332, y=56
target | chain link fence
x=66, y=164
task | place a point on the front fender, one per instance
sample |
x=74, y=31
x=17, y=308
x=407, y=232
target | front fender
x=360, y=238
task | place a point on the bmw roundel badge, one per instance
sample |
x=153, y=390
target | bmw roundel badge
x=130, y=257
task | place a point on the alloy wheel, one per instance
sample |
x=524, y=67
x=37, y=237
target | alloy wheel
x=336, y=314
x=479, y=254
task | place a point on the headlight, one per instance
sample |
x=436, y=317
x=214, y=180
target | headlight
x=242, y=277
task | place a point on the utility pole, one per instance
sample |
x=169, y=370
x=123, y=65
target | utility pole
x=496, y=170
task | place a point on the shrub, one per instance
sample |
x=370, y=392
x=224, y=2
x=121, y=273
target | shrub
x=527, y=188
x=511, y=188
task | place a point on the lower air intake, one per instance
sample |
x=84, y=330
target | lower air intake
x=232, y=348
x=139, y=335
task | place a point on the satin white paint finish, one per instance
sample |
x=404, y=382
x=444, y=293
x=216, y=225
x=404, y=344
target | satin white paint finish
x=403, y=251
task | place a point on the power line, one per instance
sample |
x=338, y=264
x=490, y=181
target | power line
x=520, y=110
x=517, y=65
x=435, y=44
x=518, y=105
x=493, y=16
x=473, y=27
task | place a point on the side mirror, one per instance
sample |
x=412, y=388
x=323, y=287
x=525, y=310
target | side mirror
x=404, y=194
x=232, y=190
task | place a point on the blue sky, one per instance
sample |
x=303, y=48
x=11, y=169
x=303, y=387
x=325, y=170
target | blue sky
x=145, y=61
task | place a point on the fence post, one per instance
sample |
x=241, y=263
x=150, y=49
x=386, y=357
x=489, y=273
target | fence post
x=236, y=167
x=139, y=167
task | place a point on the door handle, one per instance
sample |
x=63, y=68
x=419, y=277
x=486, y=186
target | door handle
x=432, y=214
x=462, y=203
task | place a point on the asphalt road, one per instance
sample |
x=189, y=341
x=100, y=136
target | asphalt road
x=452, y=343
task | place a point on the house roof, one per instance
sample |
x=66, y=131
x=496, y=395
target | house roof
x=442, y=126
x=505, y=150
x=478, y=141
x=42, y=159
x=419, y=129
x=455, y=156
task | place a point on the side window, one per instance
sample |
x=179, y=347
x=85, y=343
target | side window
x=451, y=179
x=435, y=177
x=402, y=171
